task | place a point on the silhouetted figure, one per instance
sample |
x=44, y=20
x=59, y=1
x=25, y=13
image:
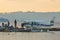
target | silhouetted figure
x=32, y=24
x=6, y=28
x=22, y=25
x=15, y=23
x=8, y=23
x=3, y=24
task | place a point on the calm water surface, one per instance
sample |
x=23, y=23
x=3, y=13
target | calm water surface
x=30, y=36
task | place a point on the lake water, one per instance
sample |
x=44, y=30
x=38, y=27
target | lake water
x=30, y=36
x=31, y=16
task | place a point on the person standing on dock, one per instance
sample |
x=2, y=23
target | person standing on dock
x=8, y=23
x=15, y=23
x=22, y=25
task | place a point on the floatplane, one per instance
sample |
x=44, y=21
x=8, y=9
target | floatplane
x=28, y=26
x=38, y=25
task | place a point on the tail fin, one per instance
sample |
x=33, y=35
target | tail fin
x=53, y=20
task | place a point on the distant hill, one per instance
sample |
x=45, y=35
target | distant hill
x=3, y=20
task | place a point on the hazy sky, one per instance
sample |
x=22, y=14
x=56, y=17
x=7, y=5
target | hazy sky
x=30, y=5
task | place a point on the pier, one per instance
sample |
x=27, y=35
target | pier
x=8, y=28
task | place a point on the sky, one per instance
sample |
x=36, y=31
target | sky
x=30, y=5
